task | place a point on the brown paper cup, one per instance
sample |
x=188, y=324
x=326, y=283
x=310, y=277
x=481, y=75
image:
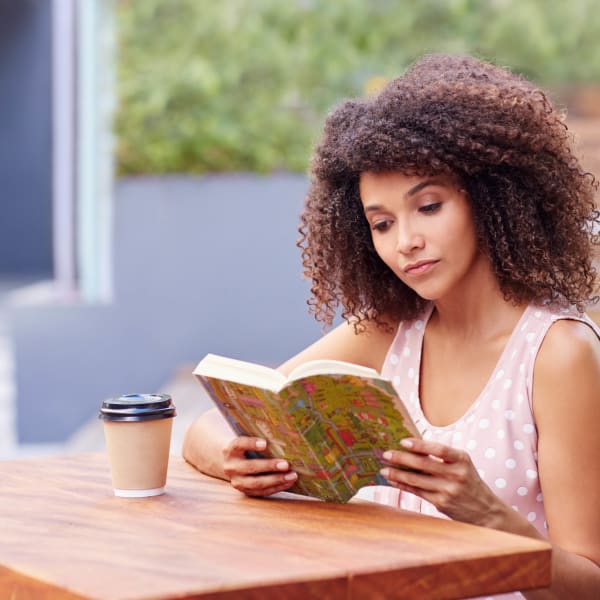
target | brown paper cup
x=137, y=430
x=139, y=456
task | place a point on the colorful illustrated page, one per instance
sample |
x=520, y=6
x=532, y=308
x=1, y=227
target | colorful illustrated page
x=332, y=429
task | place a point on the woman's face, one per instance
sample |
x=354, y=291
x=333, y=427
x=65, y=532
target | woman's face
x=422, y=228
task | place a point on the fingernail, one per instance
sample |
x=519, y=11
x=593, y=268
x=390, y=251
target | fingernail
x=387, y=455
x=385, y=473
x=282, y=465
x=407, y=443
x=261, y=445
x=290, y=476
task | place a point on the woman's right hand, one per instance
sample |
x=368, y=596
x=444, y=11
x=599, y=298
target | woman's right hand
x=255, y=476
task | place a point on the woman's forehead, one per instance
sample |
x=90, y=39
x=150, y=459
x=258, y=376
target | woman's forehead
x=399, y=180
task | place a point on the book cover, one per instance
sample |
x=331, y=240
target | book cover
x=331, y=428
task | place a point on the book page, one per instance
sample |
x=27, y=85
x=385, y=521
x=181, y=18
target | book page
x=348, y=421
x=333, y=367
x=239, y=371
x=332, y=428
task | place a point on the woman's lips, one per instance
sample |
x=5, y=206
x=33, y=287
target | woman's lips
x=421, y=267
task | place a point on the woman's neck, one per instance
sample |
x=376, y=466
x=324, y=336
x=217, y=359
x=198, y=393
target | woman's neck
x=479, y=310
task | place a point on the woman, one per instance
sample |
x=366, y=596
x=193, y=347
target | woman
x=450, y=221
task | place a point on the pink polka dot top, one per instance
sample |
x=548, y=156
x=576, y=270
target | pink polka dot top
x=498, y=429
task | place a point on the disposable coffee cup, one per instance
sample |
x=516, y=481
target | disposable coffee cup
x=137, y=429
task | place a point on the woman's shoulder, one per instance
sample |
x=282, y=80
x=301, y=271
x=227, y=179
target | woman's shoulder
x=568, y=364
x=572, y=337
x=562, y=330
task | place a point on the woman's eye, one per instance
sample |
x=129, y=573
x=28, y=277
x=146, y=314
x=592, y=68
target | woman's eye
x=430, y=208
x=381, y=226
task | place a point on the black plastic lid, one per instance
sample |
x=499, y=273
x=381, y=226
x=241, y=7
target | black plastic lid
x=137, y=407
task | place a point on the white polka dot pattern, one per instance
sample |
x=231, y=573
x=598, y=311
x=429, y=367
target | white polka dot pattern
x=498, y=430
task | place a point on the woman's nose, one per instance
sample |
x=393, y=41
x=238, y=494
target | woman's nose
x=409, y=239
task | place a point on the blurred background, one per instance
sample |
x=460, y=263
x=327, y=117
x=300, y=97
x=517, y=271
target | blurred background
x=153, y=167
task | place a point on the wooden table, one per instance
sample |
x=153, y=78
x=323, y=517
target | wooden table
x=63, y=535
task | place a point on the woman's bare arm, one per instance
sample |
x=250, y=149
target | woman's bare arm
x=367, y=348
x=204, y=442
x=566, y=402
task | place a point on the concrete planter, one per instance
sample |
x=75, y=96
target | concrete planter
x=202, y=264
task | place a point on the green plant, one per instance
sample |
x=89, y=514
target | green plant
x=244, y=85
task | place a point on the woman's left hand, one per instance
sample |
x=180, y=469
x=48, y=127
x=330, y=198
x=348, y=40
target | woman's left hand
x=446, y=477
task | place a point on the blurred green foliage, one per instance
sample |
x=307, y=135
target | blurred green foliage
x=244, y=85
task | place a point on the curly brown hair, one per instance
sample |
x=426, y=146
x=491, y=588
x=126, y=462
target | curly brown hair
x=532, y=202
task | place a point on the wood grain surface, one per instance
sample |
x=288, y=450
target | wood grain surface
x=64, y=535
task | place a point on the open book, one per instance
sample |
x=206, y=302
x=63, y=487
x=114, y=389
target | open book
x=331, y=420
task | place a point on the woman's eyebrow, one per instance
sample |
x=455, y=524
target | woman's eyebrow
x=411, y=192
x=422, y=184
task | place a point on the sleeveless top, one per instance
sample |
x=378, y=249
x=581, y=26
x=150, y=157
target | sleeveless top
x=498, y=430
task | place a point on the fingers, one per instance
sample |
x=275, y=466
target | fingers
x=428, y=448
x=264, y=485
x=422, y=464
x=242, y=444
x=416, y=481
x=256, y=466
x=427, y=457
x=255, y=476
x=442, y=475
x=239, y=461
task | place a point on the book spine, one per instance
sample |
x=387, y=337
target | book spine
x=308, y=483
